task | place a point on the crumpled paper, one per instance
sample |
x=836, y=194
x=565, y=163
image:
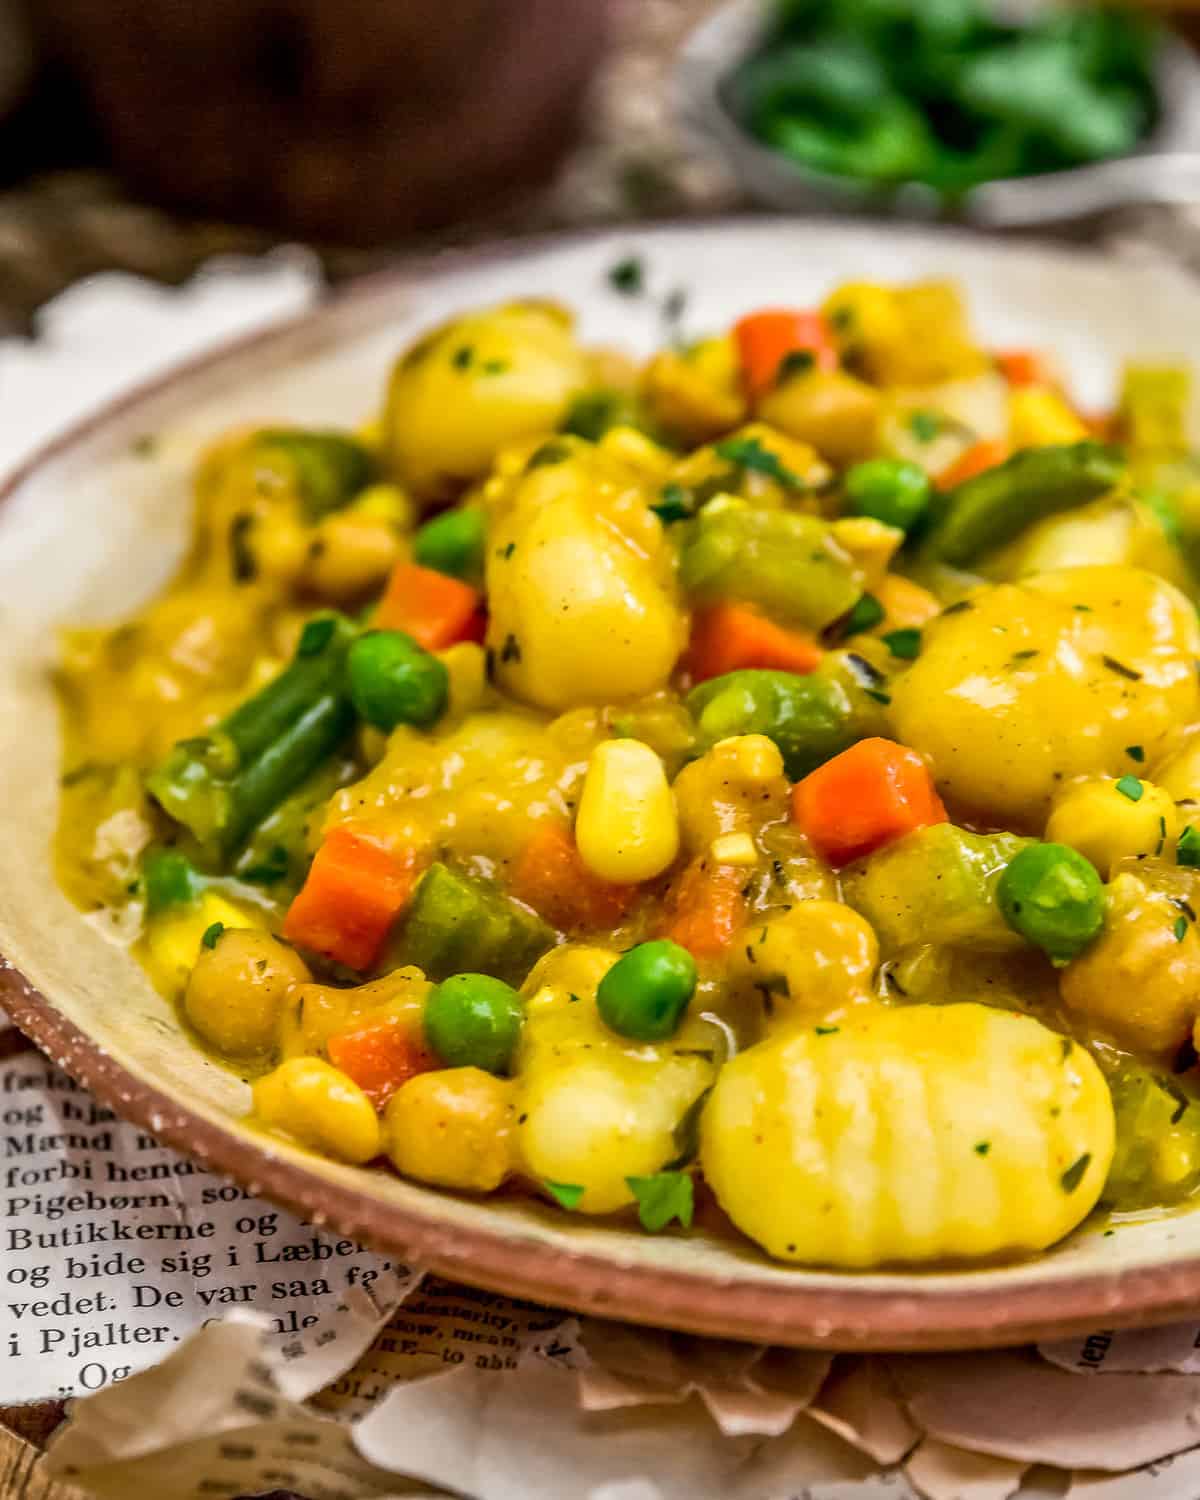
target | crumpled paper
x=444, y=1388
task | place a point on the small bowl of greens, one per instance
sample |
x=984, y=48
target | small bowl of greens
x=938, y=107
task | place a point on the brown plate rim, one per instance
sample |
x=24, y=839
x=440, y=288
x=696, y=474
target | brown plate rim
x=855, y=1317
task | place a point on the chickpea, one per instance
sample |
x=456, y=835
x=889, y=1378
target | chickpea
x=1107, y=821
x=452, y=1127
x=237, y=990
x=811, y=962
x=317, y=1105
x=1139, y=982
x=735, y=787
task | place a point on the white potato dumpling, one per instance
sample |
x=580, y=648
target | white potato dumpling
x=910, y=1135
x=582, y=600
x=593, y=1108
x=474, y=385
x=1027, y=686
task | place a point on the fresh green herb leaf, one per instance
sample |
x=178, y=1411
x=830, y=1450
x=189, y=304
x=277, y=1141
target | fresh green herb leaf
x=749, y=453
x=797, y=362
x=1024, y=655
x=884, y=698
x=1135, y=753
x=568, y=1194
x=957, y=609
x=494, y=366
x=866, y=614
x=826, y=1030
x=511, y=650
x=212, y=935
x=1180, y=929
x=665, y=1197
x=1187, y=850
x=925, y=425
x=552, y=452
x=1131, y=787
x=982, y=1148
x=1162, y=837
x=1073, y=1176
x=245, y=564
x=1084, y=609
x=676, y=504
x=315, y=636
x=904, y=644
x=461, y=358
x=628, y=276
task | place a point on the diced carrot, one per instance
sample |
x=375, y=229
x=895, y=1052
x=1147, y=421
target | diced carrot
x=379, y=1056
x=765, y=339
x=728, y=636
x=868, y=796
x=705, y=908
x=1023, y=367
x=985, y=454
x=354, y=892
x=552, y=878
x=435, y=609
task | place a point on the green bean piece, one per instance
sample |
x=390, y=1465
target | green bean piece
x=890, y=490
x=646, y=992
x=992, y=508
x=458, y=924
x=453, y=543
x=219, y=786
x=1053, y=897
x=474, y=1021
x=169, y=879
x=330, y=467
x=394, y=681
x=786, y=562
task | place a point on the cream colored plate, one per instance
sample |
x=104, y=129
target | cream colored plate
x=88, y=530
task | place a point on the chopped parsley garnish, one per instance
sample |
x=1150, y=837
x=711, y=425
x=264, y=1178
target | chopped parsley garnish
x=826, y=1030
x=749, y=453
x=1162, y=837
x=904, y=644
x=925, y=425
x=511, y=650
x=1084, y=609
x=494, y=366
x=461, y=358
x=866, y=613
x=1187, y=850
x=675, y=504
x=1073, y=1176
x=1180, y=929
x=797, y=362
x=1135, y=753
x=212, y=935
x=663, y=1198
x=315, y=636
x=1131, y=787
x=628, y=276
x=957, y=609
x=568, y=1194
x=508, y=551
x=552, y=452
x=982, y=1148
x=1121, y=669
x=884, y=698
x=1024, y=655
x=245, y=564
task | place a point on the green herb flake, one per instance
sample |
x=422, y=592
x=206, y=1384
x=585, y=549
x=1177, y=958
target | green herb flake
x=1131, y=787
x=1180, y=929
x=1121, y=669
x=884, y=698
x=1073, y=1176
x=904, y=644
x=508, y=551
x=241, y=554
x=675, y=504
x=511, y=650
x=957, y=609
x=212, y=935
x=1084, y=609
x=796, y=362
x=1024, y=655
x=461, y=358
x=982, y=1148
x=1162, y=837
x=553, y=452
x=662, y=1199
x=827, y=1030
x=1187, y=850
x=494, y=366
x=315, y=636
x=925, y=425
x=628, y=276
x=865, y=615
x=749, y=453
x=1135, y=753
x=568, y=1194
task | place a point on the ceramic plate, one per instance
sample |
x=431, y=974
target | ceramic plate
x=89, y=529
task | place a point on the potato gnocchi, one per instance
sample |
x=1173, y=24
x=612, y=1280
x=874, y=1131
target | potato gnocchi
x=759, y=786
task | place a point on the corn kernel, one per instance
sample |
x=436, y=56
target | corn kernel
x=734, y=849
x=319, y=1106
x=627, y=827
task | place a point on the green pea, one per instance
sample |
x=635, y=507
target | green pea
x=452, y=543
x=889, y=490
x=1053, y=897
x=394, y=681
x=645, y=993
x=474, y=1021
